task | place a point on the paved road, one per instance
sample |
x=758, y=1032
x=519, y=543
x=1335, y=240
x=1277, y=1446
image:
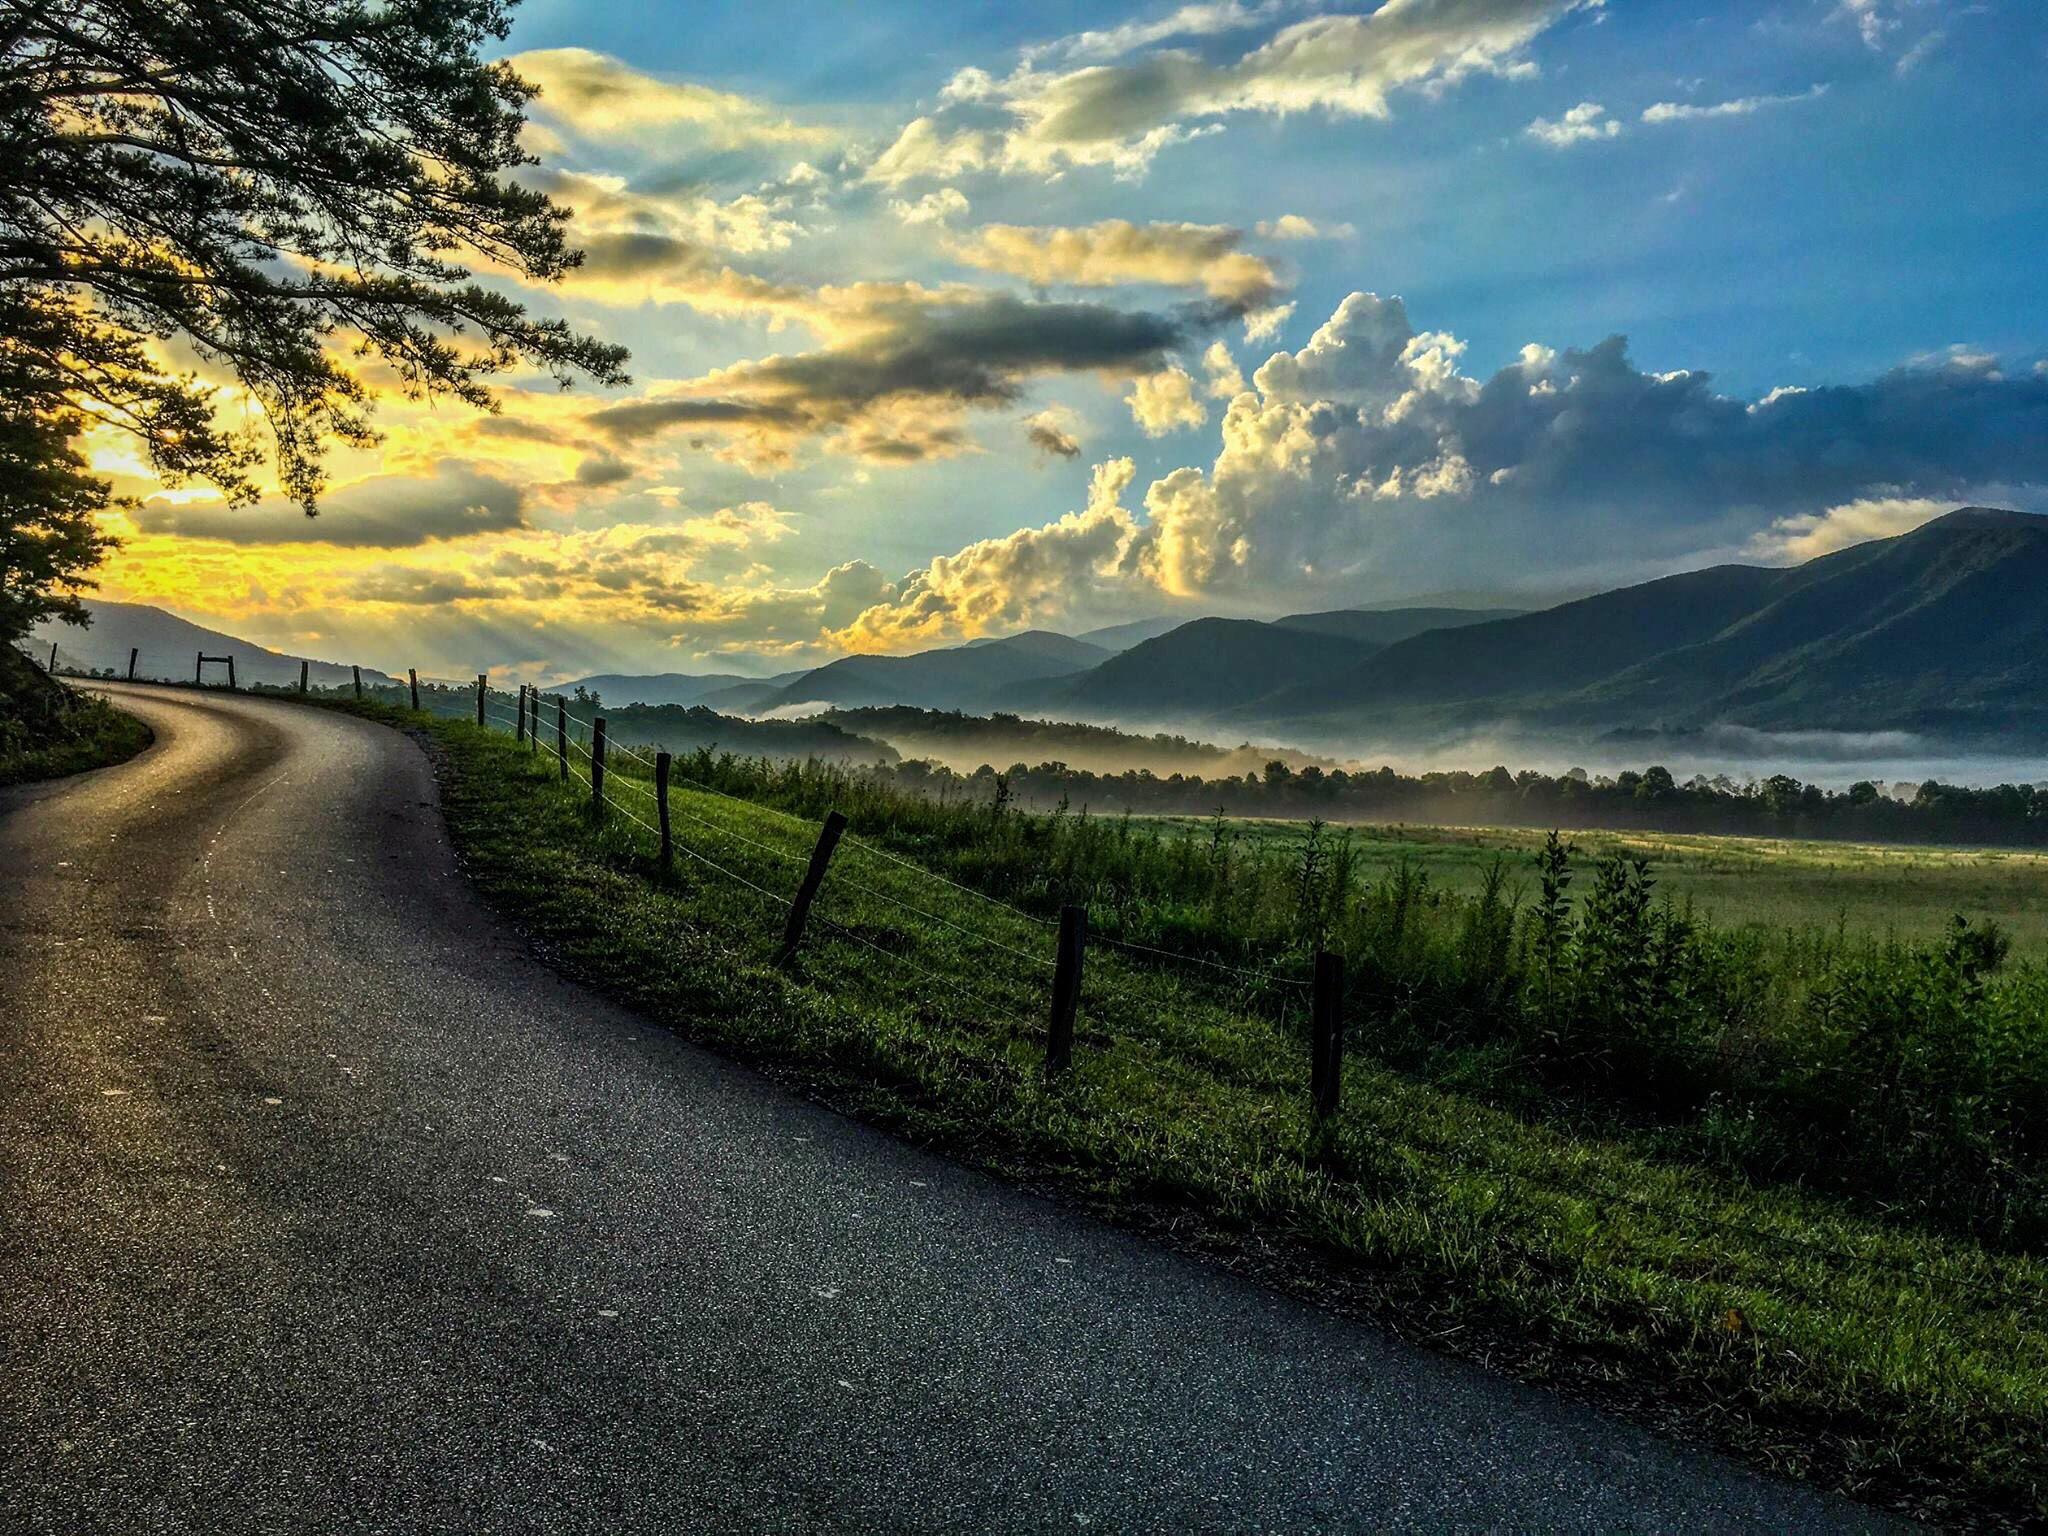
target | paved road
x=324, y=1208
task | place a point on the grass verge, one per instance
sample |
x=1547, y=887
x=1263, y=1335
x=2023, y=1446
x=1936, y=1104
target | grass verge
x=55, y=732
x=1888, y=1362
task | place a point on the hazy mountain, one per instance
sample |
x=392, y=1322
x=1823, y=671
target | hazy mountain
x=671, y=687
x=961, y=677
x=1121, y=637
x=169, y=646
x=1389, y=626
x=1197, y=669
x=1942, y=631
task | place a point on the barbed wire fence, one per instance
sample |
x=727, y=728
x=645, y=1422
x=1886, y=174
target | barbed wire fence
x=640, y=796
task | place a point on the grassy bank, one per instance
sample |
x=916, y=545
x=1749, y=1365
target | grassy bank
x=1885, y=1358
x=47, y=730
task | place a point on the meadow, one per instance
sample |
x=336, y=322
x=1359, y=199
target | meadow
x=1877, y=890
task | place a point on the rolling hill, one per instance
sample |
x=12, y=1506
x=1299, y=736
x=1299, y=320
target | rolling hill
x=1942, y=632
x=961, y=677
x=168, y=646
x=1196, y=670
x=658, y=688
x=1389, y=626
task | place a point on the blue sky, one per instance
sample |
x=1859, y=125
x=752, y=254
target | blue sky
x=956, y=319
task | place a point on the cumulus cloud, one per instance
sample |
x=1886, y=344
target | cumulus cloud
x=1165, y=402
x=1016, y=581
x=1221, y=368
x=1587, y=123
x=1790, y=540
x=1367, y=464
x=1743, y=106
x=934, y=208
x=382, y=512
x=1041, y=121
x=1199, y=256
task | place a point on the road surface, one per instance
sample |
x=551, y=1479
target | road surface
x=325, y=1208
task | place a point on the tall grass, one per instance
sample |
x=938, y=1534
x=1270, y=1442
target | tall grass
x=1910, y=1076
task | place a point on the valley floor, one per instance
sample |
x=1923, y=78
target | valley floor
x=1867, y=889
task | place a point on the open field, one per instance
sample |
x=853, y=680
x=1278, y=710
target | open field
x=1870, y=889
x=1878, y=1356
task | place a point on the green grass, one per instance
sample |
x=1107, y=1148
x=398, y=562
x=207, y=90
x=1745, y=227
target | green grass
x=1870, y=889
x=1887, y=1360
x=90, y=734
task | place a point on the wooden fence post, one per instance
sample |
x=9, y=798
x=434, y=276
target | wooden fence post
x=483, y=681
x=134, y=654
x=597, y=766
x=562, y=736
x=53, y=658
x=231, y=671
x=1066, y=988
x=305, y=668
x=358, y=671
x=668, y=851
x=1326, y=1035
x=199, y=669
x=519, y=735
x=800, y=909
x=412, y=676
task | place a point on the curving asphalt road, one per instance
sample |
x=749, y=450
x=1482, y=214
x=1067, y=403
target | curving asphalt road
x=324, y=1208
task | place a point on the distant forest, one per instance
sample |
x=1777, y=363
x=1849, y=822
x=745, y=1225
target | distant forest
x=1652, y=800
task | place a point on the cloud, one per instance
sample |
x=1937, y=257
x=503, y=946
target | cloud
x=1202, y=20
x=1165, y=402
x=1051, y=433
x=1293, y=226
x=1221, y=367
x=598, y=97
x=1011, y=582
x=1040, y=122
x=382, y=512
x=1198, y=256
x=934, y=208
x=1685, y=112
x=894, y=390
x=1587, y=123
x=1790, y=540
x=1367, y=465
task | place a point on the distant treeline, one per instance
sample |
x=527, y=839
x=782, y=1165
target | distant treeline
x=1652, y=800
x=681, y=729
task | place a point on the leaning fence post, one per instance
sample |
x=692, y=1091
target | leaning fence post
x=1326, y=1034
x=304, y=668
x=134, y=653
x=519, y=735
x=199, y=669
x=412, y=676
x=1066, y=988
x=668, y=852
x=53, y=658
x=800, y=909
x=562, y=736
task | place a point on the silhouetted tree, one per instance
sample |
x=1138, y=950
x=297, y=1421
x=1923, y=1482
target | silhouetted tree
x=276, y=186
